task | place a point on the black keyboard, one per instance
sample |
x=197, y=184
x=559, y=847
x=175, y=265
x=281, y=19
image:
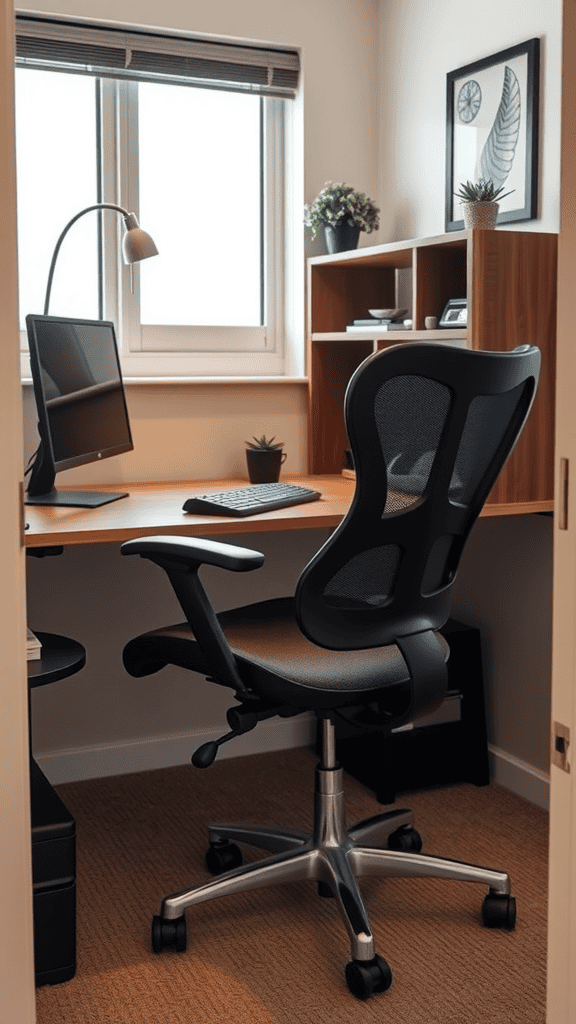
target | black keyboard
x=248, y=501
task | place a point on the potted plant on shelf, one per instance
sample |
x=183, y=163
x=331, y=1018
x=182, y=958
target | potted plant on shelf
x=480, y=202
x=264, y=458
x=342, y=213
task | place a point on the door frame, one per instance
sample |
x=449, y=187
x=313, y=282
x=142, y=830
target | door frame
x=17, y=996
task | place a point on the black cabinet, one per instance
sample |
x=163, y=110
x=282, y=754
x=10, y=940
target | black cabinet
x=53, y=836
x=448, y=746
x=54, y=882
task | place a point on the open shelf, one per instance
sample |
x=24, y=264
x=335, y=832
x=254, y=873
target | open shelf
x=509, y=281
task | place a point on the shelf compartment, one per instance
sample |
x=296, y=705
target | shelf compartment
x=342, y=294
x=328, y=437
x=440, y=272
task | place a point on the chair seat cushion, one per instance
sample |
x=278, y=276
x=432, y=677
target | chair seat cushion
x=276, y=660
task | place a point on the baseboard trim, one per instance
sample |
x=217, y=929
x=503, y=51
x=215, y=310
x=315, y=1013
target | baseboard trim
x=519, y=776
x=149, y=752
x=126, y=757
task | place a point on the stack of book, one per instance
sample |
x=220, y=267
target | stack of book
x=379, y=325
x=33, y=646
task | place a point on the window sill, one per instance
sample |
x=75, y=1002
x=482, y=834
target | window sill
x=136, y=381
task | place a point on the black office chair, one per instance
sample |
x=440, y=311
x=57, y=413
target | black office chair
x=430, y=427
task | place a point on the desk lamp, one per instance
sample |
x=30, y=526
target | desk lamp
x=137, y=244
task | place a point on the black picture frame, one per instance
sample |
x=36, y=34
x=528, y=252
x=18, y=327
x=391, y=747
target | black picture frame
x=497, y=99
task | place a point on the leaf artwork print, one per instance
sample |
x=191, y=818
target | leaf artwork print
x=500, y=146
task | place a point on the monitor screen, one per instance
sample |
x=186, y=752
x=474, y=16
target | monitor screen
x=82, y=414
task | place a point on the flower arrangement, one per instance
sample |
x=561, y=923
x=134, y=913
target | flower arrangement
x=338, y=204
x=264, y=444
x=482, y=191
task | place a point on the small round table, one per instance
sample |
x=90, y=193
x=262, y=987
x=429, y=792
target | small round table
x=60, y=657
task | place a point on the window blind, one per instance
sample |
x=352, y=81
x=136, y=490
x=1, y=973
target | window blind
x=110, y=51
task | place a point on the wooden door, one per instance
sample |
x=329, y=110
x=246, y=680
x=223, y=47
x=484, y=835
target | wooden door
x=16, y=943
x=561, y=999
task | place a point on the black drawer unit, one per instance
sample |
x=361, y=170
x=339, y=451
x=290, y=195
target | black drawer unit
x=448, y=746
x=53, y=834
x=54, y=882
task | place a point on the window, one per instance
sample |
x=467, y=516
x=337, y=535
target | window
x=195, y=146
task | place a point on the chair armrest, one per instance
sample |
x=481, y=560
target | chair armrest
x=181, y=558
x=193, y=551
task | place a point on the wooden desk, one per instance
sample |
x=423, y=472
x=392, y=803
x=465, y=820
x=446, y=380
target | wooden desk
x=156, y=508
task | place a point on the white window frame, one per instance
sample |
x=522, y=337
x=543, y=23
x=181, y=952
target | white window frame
x=168, y=351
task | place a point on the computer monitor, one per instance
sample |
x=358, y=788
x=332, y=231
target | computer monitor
x=82, y=414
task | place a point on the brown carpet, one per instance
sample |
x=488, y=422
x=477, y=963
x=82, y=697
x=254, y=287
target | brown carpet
x=278, y=955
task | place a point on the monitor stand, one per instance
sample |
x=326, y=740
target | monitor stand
x=75, y=499
x=41, y=490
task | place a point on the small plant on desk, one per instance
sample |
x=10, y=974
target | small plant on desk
x=264, y=457
x=264, y=444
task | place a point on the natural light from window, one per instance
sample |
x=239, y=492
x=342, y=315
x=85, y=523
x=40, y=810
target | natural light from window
x=200, y=185
x=57, y=169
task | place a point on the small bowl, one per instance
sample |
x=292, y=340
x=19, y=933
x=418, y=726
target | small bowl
x=388, y=314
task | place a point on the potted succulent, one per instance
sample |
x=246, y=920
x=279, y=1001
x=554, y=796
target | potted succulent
x=480, y=202
x=342, y=213
x=264, y=456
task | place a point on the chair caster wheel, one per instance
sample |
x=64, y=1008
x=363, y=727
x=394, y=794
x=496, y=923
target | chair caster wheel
x=499, y=911
x=366, y=977
x=168, y=934
x=405, y=839
x=222, y=856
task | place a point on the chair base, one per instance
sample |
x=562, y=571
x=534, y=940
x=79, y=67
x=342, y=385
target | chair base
x=336, y=856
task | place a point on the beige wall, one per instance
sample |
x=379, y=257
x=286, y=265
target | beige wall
x=374, y=112
x=505, y=584
x=198, y=430
x=420, y=43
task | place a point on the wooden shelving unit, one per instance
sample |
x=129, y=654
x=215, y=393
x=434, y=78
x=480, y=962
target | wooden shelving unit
x=509, y=279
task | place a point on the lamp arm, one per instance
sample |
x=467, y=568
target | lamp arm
x=97, y=206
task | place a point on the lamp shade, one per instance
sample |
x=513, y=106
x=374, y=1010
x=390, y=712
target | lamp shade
x=137, y=244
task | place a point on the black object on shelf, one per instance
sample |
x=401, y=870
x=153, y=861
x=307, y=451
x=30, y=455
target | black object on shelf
x=53, y=837
x=447, y=747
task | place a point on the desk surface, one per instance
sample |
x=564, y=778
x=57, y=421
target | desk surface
x=155, y=508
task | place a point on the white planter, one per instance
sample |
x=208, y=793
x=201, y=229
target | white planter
x=480, y=215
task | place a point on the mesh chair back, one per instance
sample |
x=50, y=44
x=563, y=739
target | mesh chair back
x=430, y=427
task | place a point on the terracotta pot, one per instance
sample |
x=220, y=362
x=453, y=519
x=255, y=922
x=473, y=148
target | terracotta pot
x=481, y=215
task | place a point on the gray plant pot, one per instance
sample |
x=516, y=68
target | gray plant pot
x=342, y=237
x=481, y=215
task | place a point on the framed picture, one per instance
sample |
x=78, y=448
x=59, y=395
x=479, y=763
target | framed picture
x=492, y=130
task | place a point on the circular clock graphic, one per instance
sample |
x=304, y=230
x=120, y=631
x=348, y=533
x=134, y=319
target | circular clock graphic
x=469, y=100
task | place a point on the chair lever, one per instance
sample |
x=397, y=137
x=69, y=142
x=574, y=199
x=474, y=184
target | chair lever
x=206, y=754
x=241, y=721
